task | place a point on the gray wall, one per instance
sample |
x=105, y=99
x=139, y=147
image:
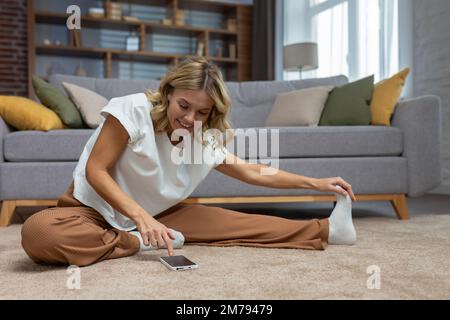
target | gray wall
x=432, y=65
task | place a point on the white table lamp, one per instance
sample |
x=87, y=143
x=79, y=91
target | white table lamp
x=301, y=57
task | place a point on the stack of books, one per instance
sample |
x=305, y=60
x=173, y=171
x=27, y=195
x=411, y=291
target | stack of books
x=130, y=19
x=166, y=22
x=114, y=10
x=96, y=12
x=178, y=18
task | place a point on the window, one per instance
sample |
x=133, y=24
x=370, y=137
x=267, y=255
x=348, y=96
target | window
x=356, y=38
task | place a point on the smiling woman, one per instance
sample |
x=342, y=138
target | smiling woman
x=182, y=113
x=185, y=95
x=127, y=186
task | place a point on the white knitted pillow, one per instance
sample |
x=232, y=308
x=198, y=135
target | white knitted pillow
x=88, y=102
x=299, y=108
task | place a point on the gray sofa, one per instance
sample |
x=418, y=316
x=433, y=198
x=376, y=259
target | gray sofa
x=381, y=163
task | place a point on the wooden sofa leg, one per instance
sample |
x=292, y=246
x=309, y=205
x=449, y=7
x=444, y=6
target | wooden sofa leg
x=400, y=206
x=8, y=208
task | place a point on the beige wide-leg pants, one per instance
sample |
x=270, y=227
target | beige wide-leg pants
x=74, y=234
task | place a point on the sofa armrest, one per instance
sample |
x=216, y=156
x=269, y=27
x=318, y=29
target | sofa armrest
x=4, y=130
x=420, y=121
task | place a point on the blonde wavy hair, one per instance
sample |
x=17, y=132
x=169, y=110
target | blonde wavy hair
x=192, y=73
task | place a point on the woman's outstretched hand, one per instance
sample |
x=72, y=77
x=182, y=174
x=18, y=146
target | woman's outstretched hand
x=332, y=184
x=154, y=233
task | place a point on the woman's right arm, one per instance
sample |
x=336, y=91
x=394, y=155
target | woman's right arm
x=110, y=144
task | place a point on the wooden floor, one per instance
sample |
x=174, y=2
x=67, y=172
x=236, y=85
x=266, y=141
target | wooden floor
x=398, y=202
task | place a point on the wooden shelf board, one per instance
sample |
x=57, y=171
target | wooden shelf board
x=211, y=6
x=91, y=22
x=222, y=32
x=159, y=3
x=222, y=59
x=70, y=51
x=122, y=54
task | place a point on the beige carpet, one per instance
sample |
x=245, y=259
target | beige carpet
x=413, y=257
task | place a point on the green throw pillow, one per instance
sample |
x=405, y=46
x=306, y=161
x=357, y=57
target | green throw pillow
x=349, y=105
x=54, y=99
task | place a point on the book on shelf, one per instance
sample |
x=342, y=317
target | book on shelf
x=231, y=24
x=232, y=50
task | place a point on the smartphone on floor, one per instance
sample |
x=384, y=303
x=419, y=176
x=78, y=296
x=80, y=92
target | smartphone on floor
x=178, y=263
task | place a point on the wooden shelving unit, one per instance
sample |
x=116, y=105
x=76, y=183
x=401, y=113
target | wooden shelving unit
x=241, y=36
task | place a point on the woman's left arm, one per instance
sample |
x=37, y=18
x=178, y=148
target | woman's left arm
x=251, y=174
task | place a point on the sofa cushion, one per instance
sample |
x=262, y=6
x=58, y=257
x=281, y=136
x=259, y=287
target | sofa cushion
x=385, y=97
x=299, y=107
x=55, y=145
x=308, y=142
x=25, y=114
x=368, y=175
x=294, y=142
x=55, y=100
x=88, y=102
x=349, y=105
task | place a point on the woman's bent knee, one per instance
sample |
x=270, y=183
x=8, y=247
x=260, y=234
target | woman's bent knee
x=39, y=236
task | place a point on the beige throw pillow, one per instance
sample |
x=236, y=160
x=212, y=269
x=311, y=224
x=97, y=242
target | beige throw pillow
x=299, y=108
x=88, y=102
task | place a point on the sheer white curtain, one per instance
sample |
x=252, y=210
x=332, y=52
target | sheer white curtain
x=356, y=38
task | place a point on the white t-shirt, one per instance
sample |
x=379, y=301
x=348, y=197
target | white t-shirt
x=145, y=170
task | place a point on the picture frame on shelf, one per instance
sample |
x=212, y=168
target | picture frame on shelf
x=219, y=51
x=132, y=42
x=200, y=48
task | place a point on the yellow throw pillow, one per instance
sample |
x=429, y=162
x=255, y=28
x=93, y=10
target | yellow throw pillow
x=385, y=97
x=25, y=114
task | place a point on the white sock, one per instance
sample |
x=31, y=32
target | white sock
x=341, y=229
x=177, y=243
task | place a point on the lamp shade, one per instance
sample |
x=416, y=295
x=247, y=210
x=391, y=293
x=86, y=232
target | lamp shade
x=301, y=56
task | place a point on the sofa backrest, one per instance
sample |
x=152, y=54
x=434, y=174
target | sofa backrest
x=109, y=88
x=251, y=101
